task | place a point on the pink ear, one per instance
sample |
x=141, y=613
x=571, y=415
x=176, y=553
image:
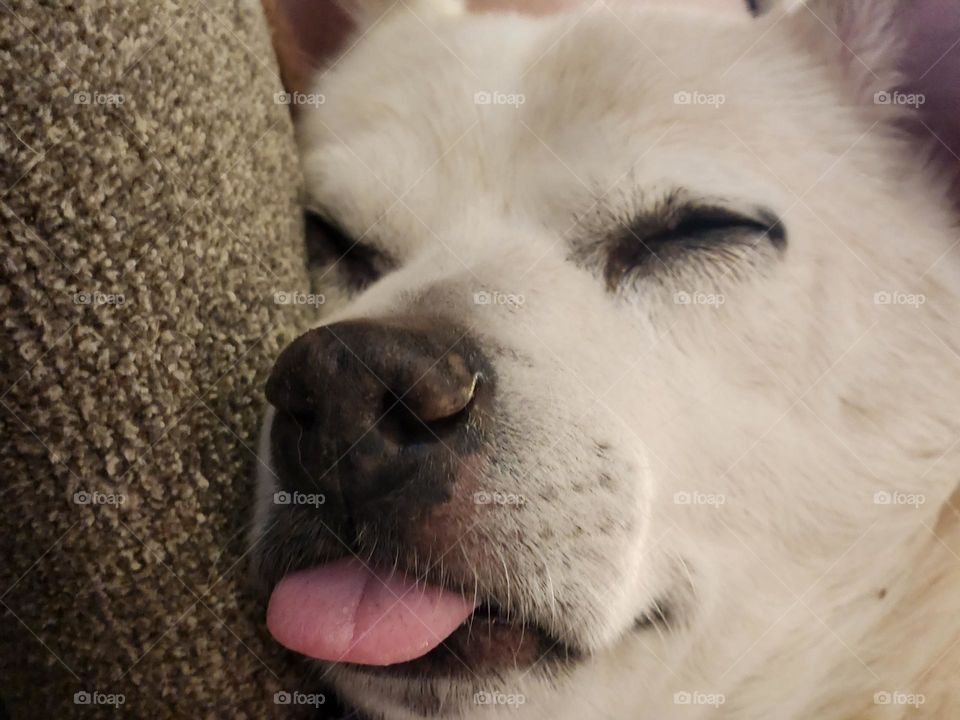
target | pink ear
x=307, y=34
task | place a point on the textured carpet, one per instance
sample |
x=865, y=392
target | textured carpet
x=148, y=213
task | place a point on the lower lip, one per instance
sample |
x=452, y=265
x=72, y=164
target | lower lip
x=485, y=644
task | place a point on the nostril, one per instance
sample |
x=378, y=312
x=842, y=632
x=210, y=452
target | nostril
x=415, y=420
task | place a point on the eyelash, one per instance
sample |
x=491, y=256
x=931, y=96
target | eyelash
x=675, y=225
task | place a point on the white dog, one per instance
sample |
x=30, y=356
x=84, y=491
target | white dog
x=643, y=402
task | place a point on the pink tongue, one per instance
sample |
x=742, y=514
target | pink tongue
x=343, y=611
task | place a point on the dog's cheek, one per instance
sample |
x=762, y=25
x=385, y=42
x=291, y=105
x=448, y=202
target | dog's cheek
x=591, y=528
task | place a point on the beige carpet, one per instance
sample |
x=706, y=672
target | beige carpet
x=147, y=205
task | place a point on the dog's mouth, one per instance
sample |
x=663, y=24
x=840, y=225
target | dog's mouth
x=384, y=621
x=487, y=642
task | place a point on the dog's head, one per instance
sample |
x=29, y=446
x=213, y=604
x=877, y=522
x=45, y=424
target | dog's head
x=647, y=346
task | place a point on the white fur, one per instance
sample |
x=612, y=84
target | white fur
x=795, y=401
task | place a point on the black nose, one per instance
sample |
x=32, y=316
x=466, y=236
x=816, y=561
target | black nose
x=375, y=413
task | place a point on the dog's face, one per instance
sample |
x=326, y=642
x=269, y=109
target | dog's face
x=623, y=364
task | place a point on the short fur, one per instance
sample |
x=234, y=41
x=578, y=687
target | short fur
x=731, y=459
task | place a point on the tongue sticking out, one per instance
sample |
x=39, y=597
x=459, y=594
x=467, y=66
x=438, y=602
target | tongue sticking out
x=345, y=612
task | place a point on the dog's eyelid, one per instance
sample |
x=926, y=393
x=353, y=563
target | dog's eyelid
x=677, y=227
x=694, y=219
x=328, y=243
x=318, y=221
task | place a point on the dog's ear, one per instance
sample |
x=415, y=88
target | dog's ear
x=866, y=38
x=310, y=35
x=901, y=58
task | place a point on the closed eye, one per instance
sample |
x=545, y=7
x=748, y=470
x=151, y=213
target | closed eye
x=676, y=228
x=708, y=224
x=329, y=246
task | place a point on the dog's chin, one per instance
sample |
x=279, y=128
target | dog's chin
x=366, y=694
x=489, y=653
x=486, y=653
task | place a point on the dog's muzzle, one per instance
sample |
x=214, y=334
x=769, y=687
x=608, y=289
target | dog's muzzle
x=381, y=427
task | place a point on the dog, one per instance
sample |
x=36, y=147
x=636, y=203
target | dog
x=639, y=399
